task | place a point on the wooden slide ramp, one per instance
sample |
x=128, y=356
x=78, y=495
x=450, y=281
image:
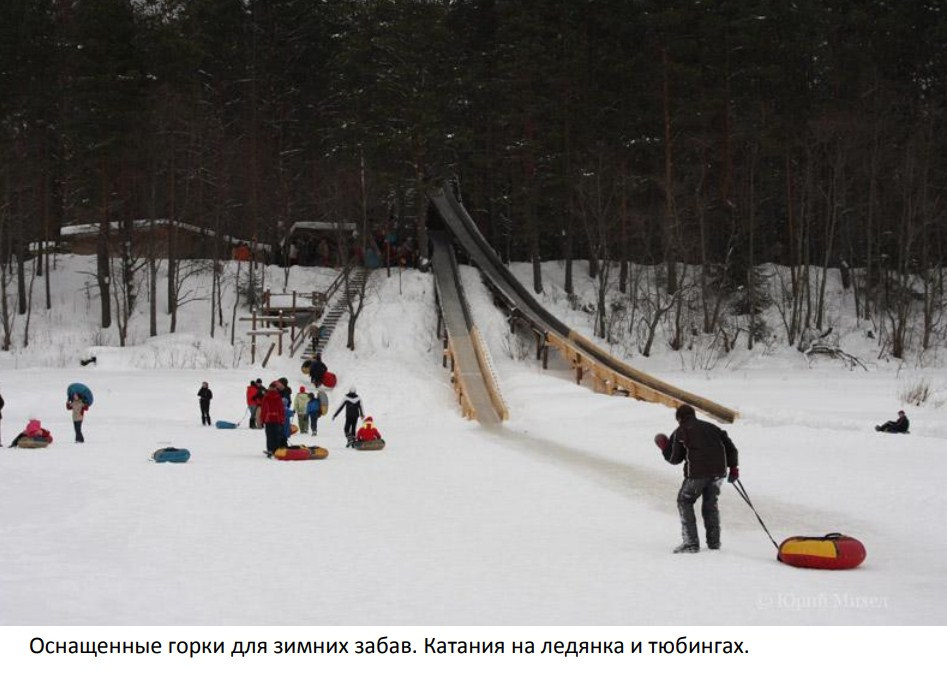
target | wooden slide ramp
x=609, y=374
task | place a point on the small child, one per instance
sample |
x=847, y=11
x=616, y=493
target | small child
x=34, y=430
x=314, y=410
x=301, y=405
x=368, y=432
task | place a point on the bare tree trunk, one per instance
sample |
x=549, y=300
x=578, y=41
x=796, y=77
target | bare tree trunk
x=751, y=257
x=236, y=303
x=670, y=214
x=103, y=273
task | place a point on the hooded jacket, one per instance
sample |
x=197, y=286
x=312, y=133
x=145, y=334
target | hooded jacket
x=272, y=409
x=301, y=403
x=353, y=406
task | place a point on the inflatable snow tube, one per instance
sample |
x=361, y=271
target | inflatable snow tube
x=293, y=453
x=323, y=402
x=329, y=380
x=171, y=455
x=376, y=444
x=316, y=452
x=832, y=551
x=83, y=392
x=32, y=442
x=221, y=424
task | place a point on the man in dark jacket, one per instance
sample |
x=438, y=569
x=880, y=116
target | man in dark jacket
x=707, y=453
x=898, y=426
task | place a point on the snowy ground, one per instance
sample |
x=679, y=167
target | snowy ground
x=563, y=516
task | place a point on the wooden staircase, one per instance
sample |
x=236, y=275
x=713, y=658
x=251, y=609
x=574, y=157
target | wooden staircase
x=337, y=310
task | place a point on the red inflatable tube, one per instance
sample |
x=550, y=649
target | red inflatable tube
x=832, y=551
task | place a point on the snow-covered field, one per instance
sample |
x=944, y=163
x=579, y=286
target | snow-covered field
x=563, y=516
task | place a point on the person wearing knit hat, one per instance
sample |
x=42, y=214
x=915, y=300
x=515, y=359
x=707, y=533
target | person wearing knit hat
x=300, y=405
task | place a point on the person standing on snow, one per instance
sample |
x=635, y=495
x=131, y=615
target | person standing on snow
x=314, y=410
x=261, y=391
x=273, y=416
x=254, y=396
x=353, y=412
x=301, y=406
x=287, y=396
x=78, y=407
x=205, y=395
x=707, y=453
x=1, y=416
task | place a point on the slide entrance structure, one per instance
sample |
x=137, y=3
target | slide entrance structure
x=608, y=373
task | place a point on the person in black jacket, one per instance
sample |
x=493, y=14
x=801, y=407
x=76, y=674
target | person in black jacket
x=205, y=394
x=708, y=454
x=353, y=412
x=898, y=426
x=317, y=370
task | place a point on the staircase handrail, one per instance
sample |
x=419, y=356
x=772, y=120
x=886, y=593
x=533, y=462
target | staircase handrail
x=336, y=284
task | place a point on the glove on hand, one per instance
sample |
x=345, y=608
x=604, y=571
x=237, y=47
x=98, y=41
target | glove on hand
x=734, y=474
x=662, y=441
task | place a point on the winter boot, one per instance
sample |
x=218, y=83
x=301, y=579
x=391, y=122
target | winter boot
x=687, y=548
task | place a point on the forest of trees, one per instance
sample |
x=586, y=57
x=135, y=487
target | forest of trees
x=710, y=136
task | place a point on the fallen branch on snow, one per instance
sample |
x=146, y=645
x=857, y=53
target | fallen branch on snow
x=833, y=351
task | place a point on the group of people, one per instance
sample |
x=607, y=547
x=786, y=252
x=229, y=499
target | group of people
x=273, y=407
x=276, y=411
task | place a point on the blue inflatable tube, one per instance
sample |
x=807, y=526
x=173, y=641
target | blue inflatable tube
x=171, y=455
x=83, y=392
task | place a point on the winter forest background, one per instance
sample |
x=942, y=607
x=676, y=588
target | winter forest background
x=744, y=149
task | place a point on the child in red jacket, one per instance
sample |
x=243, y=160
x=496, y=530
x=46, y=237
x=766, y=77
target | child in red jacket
x=368, y=432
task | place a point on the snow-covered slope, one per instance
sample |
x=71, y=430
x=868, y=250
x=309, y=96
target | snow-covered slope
x=564, y=515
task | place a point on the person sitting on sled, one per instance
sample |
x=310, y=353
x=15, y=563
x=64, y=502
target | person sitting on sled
x=34, y=429
x=898, y=426
x=368, y=432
